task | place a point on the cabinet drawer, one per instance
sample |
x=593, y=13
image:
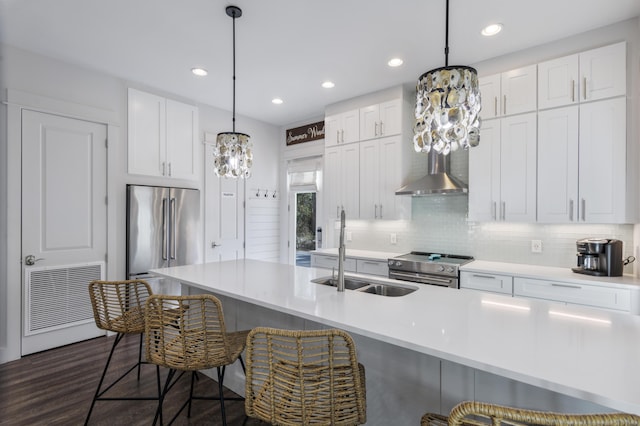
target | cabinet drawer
x=373, y=267
x=329, y=262
x=579, y=294
x=487, y=282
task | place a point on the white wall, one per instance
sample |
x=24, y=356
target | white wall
x=439, y=223
x=72, y=85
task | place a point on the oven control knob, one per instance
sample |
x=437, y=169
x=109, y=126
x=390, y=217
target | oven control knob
x=398, y=263
x=450, y=269
x=441, y=268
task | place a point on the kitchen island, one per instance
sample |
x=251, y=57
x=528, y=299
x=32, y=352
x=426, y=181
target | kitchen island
x=436, y=346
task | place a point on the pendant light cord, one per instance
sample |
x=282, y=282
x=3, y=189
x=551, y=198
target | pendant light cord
x=446, y=38
x=234, y=73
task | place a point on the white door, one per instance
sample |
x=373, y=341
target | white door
x=64, y=227
x=224, y=214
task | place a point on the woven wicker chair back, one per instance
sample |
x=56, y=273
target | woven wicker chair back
x=187, y=332
x=119, y=305
x=483, y=414
x=304, y=377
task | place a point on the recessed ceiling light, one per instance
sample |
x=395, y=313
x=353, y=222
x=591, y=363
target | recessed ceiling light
x=491, y=30
x=328, y=84
x=276, y=101
x=200, y=72
x=395, y=62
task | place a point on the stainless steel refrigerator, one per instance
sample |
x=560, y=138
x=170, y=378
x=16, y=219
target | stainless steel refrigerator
x=162, y=230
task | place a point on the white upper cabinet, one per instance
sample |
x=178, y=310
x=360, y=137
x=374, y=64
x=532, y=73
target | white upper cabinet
x=588, y=76
x=342, y=128
x=162, y=136
x=382, y=162
x=502, y=171
x=342, y=181
x=379, y=120
x=508, y=93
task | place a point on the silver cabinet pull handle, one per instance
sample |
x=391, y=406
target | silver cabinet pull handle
x=164, y=168
x=164, y=228
x=342, y=135
x=380, y=211
x=381, y=128
x=573, y=90
x=375, y=211
x=493, y=211
x=504, y=210
x=584, y=86
x=584, y=207
x=489, y=277
x=337, y=136
x=169, y=169
x=504, y=105
x=571, y=210
x=495, y=106
x=375, y=129
x=577, y=287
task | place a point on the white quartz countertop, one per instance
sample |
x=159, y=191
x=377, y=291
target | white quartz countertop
x=548, y=273
x=358, y=254
x=585, y=353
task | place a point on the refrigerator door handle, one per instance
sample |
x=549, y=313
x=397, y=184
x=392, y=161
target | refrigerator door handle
x=164, y=229
x=172, y=215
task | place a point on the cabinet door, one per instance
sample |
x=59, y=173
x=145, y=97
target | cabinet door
x=518, y=168
x=146, y=134
x=391, y=118
x=332, y=184
x=484, y=174
x=332, y=130
x=182, y=131
x=519, y=90
x=390, y=166
x=490, y=95
x=493, y=283
x=603, y=72
x=370, y=122
x=350, y=127
x=603, y=161
x=350, y=180
x=558, y=165
x=558, y=82
x=369, y=179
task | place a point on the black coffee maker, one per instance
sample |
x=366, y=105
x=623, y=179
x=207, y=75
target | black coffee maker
x=599, y=257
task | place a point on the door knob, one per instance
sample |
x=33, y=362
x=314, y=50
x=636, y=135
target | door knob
x=31, y=260
x=214, y=245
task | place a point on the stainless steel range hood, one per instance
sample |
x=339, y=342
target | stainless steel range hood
x=437, y=181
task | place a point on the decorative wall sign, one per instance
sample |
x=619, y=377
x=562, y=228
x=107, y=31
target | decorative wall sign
x=308, y=133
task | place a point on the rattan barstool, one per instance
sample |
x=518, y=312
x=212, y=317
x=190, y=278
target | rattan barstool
x=188, y=333
x=118, y=306
x=304, y=377
x=473, y=413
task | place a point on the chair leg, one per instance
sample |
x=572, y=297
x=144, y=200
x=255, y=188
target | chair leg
x=104, y=373
x=167, y=384
x=194, y=375
x=221, y=393
x=140, y=355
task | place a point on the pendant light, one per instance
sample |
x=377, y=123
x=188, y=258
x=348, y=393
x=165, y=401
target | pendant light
x=447, y=107
x=232, y=156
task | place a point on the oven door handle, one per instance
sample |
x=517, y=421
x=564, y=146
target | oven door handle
x=423, y=278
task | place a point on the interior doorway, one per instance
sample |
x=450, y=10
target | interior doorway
x=305, y=227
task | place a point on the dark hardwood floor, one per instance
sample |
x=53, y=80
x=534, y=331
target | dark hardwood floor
x=55, y=387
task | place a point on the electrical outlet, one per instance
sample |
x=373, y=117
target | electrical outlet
x=393, y=238
x=536, y=246
x=349, y=236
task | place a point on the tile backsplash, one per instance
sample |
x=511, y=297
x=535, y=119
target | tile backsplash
x=439, y=224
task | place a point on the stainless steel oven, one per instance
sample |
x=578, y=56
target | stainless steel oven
x=428, y=268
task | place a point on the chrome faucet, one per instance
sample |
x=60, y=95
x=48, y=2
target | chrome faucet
x=341, y=254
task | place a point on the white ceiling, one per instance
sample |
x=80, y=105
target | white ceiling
x=287, y=48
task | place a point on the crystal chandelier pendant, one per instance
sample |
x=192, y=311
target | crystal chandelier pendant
x=233, y=151
x=447, y=107
x=232, y=155
x=447, y=110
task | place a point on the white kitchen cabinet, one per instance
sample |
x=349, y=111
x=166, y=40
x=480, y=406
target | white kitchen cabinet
x=502, y=173
x=582, y=164
x=493, y=283
x=162, y=136
x=382, y=162
x=342, y=128
x=379, y=120
x=331, y=262
x=588, y=76
x=372, y=267
x=342, y=181
x=577, y=294
x=508, y=93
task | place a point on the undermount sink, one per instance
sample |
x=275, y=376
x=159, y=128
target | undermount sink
x=366, y=286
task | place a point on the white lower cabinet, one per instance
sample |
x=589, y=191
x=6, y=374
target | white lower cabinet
x=570, y=293
x=372, y=267
x=493, y=283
